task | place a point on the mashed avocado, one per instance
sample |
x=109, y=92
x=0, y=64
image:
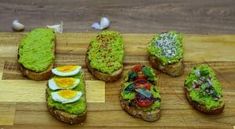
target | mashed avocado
x=106, y=52
x=167, y=47
x=210, y=91
x=35, y=49
x=78, y=107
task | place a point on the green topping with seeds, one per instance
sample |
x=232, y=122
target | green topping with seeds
x=167, y=47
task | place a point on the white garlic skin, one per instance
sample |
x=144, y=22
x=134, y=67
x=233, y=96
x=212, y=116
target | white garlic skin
x=57, y=28
x=104, y=22
x=17, y=26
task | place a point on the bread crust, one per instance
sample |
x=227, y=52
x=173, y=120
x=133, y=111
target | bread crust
x=202, y=108
x=175, y=69
x=149, y=116
x=103, y=76
x=38, y=76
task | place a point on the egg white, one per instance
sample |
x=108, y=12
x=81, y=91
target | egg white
x=63, y=74
x=56, y=97
x=53, y=86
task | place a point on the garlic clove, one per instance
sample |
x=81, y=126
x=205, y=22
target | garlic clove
x=57, y=28
x=104, y=22
x=17, y=26
x=96, y=25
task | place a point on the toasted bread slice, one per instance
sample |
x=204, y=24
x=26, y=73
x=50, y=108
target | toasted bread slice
x=203, y=90
x=202, y=108
x=175, y=69
x=66, y=117
x=103, y=41
x=141, y=84
x=63, y=112
x=166, y=53
x=43, y=75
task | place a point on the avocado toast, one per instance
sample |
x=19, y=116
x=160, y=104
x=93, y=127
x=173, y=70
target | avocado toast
x=166, y=53
x=139, y=95
x=104, y=57
x=66, y=95
x=203, y=90
x=36, y=54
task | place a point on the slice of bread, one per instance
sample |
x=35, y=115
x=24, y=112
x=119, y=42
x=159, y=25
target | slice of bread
x=103, y=41
x=203, y=90
x=166, y=53
x=201, y=107
x=145, y=79
x=64, y=116
x=31, y=74
x=175, y=69
x=149, y=116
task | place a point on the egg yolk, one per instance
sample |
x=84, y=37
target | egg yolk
x=64, y=82
x=68, y=94
x=68, y=68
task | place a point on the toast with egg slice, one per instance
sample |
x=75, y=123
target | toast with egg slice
x=203, y=90
x=139, y=95
x=66, y=95
x=104, y=57
x=166, y=53
x=36, y=54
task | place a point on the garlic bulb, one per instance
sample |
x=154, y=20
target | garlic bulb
x=17, y=26
x=104, y=23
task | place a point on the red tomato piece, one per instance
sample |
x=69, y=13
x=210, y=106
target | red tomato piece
x=144, y=102
x=137, y=68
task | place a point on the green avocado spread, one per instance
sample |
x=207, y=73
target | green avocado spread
x=78, y=107
x=167, y=47
x=129, y=88
x=203, y=87
x=106, y=52
x=36, y=49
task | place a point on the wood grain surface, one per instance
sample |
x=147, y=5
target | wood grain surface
x=216, y=50
x=148, y=16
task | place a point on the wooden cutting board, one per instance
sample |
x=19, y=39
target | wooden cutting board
x=22, y=103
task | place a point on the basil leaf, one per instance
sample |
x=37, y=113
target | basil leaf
x=130, y=87
x=132, y=75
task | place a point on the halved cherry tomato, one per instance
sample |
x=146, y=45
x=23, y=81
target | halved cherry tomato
x=137, y=68
x=144, y=102
x=142, y=83
x=147, y=86
x=141, y=77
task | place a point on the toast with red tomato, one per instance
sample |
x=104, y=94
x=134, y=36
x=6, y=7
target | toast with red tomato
x=139, y=95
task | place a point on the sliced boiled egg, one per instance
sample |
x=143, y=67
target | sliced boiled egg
x=66, y=96
x=69, y=70
x=63, y=83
